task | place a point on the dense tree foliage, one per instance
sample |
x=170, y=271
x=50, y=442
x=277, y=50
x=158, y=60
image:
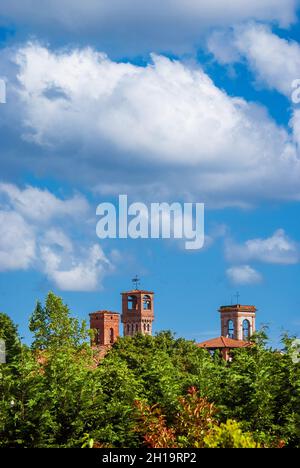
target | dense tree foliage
x=9, y=333
x=194, y=425
x=155, y=391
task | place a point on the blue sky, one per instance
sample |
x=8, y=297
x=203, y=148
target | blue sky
x=185, y=101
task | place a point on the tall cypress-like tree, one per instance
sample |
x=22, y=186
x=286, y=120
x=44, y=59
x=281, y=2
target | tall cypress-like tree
x=9, y=333
x=38, y=325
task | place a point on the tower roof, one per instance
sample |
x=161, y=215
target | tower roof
x=104, y=312
x=137, y=291
x=237, y=307
x=223, y=342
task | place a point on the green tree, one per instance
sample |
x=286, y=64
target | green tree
x=39, y=326
x=49, y=394
x=59, y=394
x=52, y=325
x=229, y=435
x=194, y=426
x=257, y=392
x=22, y=409
x=9, y=333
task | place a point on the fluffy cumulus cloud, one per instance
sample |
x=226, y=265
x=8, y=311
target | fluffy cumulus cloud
x=138, y=26
x=41, y=205
x=277, y=249
x=31, y=237
x=243, y=275
x=72, y=274
x=103, y=115
x=274, y=61
x=17, y=242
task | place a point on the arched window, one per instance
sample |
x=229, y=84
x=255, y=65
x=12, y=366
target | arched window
x=246, y=330
x=132, y=303
x=128, y=328
x=132, y=328
x=148, y=327
x=111, y=335
x=230, y=329
x=144, y=327
x=136, y=328
x=147, y=302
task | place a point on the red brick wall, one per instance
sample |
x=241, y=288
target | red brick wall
x=137, y=319
x=106, y=325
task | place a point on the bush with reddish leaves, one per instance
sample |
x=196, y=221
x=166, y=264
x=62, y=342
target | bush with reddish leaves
x=194, y=426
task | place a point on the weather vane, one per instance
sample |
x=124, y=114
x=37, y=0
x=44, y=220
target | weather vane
x=237, y=297
x=136, y=281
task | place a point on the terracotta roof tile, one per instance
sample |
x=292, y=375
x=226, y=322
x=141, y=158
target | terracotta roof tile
x=223, y=342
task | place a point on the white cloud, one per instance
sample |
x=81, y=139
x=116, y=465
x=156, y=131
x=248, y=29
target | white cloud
x=17, y=242
x=72, y=264
x=274, y=61
x=295, y=124
x=221, y=43
x=56, y=237
x=41, y=205
x=168, y=114
x=277, y=249
x=73, y=274
x=135, y=26
x=243, y=275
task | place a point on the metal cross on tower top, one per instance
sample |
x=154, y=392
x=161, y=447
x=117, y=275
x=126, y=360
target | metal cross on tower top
x=136, y=282
x=237, y=297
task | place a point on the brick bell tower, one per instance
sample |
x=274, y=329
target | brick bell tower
x=238, y=321
x=106, y=325
x=137, y=311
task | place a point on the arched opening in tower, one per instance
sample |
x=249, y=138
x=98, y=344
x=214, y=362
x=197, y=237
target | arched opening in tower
x=246, y=330
x=147, y=302
x=230, y=329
